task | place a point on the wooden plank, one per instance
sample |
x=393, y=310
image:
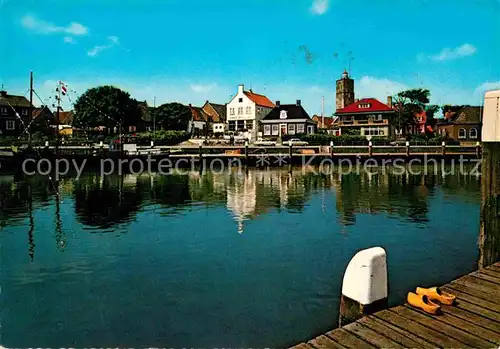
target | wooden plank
x=490, y=272
x=478, y=310
x=431, y=322
x=324, y=342
x=480, y=285
x=486, y=277
x=472, y=317
x=397, y=334
x=473, y=299
x=430, y=335
x=495, y=267
x=302, y=346
x=469, y=289
x=348, y=340
x=368, y=335
x=465, y=325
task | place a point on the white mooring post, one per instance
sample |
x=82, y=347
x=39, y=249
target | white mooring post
x=364, y=288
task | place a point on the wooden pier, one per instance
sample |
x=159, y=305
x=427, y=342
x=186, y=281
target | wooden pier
x=473, y=322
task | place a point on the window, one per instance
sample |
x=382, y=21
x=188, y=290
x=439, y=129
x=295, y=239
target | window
x=300, y=128
x=276, y=130
x=283, y=114
x=249, y=124
x=240, y=124
x=291, y=129
x=249, y=110
x=3, y=110
x=131, y=129
x=364, y=106
x=24, y=111
x=240, y=110
x=240, y=100
x=473, y=133
x=310, y=129
x=10, y=125
x=267, y=130
x=462, y=133
x=374, y=131
x=379, y=117
x=231, y=111
x=232, y=125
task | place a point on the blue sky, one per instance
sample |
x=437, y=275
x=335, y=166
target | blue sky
x=196, y=50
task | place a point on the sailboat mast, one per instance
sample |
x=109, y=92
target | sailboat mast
x=30, y=109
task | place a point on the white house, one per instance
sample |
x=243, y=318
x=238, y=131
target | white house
x=246, y=109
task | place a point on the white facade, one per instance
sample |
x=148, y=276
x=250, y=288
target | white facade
x=243, y=113
x=218, y=127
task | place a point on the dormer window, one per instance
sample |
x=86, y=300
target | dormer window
x=364, y=105
x=283, y=114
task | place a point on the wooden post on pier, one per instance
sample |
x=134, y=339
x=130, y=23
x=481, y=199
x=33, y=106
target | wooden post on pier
x=489, y=234
x=370, y=148
x=364, y=287
x=331, y=149
x=478, y=150
x=443, y=148
x=290, y=151
x=200, y=153
x=407, y=148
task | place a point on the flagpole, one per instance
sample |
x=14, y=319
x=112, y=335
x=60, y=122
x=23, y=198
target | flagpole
x=57, y=115
x=30, y=110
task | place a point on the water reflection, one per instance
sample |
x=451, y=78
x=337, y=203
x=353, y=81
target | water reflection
x=221, y=255
x=102, y=203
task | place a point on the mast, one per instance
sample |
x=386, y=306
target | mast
x=323, y=111
x=30, y=109
x=57, y=115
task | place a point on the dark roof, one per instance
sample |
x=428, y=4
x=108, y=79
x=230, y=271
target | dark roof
x=13, y=100
x=465, y=115
x=293, y=111
x=374, y=106
x=42, y=111
x=220, y=109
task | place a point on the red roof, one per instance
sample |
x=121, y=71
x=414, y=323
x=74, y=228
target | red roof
x=319, y=120
x=260, y=100
x=373, y=106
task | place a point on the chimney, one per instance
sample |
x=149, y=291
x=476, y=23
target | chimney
x=389, y=101
x=298, y=103
x=277, y=103
x=3, y=93
x=190, y=105
x=240, y=88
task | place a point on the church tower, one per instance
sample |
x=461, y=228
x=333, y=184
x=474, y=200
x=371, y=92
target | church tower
x=345, y=91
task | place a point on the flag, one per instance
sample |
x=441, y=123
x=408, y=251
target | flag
x=63, y=88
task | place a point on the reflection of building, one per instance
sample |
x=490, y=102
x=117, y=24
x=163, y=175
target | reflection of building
x=242, y=199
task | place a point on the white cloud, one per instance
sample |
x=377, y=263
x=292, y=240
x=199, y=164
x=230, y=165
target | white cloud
x=484, y=87
x=447, y=54
x=69, y=40
x=320, y=7
x=43, y=27
x=200, y=88
x=369, y=86
x=113, y=41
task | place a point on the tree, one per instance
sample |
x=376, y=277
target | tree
x=173, y=116
x=105, y=106
x=408, y=103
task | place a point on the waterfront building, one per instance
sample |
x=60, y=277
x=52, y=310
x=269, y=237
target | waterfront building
x=287, y=119
x=13, y=109
x=217, y=113
x=463, y=125
x=246, y=109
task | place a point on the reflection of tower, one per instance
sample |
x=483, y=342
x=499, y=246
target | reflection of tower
x=345, y=91
x=242, y=200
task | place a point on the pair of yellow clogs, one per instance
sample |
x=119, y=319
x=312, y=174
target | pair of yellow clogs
x=424, y=299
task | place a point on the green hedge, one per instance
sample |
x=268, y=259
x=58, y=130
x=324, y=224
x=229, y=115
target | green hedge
x=163, y=137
